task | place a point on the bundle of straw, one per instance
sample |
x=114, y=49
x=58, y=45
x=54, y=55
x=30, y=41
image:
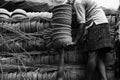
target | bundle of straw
x=24, y=34
x=36, y=58
x=46, y=73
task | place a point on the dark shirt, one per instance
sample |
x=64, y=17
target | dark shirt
x=2, y=1
x=28, y=6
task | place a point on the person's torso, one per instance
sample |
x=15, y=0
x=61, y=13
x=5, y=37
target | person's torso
x=93, y=12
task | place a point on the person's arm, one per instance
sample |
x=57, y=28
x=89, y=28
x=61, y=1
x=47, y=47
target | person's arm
x=80, y=13
x=80, y=33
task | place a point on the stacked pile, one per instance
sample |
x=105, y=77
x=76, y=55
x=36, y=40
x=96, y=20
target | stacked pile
x=23, y=45
x=61, y=23
x=20, y=33
x=23, y=40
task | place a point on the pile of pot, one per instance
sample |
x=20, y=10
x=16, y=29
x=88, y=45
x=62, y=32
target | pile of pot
x=61, y=25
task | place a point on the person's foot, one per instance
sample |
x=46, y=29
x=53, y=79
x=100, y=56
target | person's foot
x=103, y=79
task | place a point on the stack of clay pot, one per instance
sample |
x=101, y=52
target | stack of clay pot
x=61, y=25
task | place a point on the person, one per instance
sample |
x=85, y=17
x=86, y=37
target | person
x=92, y=20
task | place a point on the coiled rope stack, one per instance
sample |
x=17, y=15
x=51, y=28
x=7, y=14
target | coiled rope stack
x=61, y=24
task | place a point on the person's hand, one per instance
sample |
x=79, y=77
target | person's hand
x=76, y=40
x=80, y=33
x=15, y=0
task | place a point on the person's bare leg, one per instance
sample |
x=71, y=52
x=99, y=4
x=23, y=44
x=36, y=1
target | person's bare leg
x=91, y=65
x=102, y=69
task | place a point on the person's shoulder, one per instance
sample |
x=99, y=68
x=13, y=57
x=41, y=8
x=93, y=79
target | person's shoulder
x=85, y=1
x=92, y=3
x=79, y=1
x=59, y=1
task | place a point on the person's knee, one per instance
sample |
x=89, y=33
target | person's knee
x=92, y=55
x=92, y=58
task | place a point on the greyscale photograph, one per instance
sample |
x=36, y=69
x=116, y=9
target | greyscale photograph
x=59, y=39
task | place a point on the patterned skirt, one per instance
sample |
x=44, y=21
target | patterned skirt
x=98, y=38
